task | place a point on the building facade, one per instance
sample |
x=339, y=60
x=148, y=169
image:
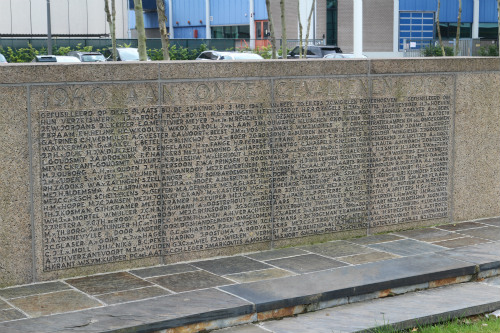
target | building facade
x=69, y=18
x=388, y=25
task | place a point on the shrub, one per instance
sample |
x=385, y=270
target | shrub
x=435, y=51
x=490, y=51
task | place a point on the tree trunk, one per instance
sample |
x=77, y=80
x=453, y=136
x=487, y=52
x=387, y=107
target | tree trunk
x=300, y=29
x=309, y=26
x=284, y=49
x=271, y=28
x=459, y=21
x=165, y=42
x=141, y=32
x=111, y=18
x=439, y=29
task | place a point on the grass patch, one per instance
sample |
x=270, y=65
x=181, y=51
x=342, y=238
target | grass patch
x=474, y=324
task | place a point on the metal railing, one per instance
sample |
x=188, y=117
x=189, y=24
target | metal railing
x=466, y=46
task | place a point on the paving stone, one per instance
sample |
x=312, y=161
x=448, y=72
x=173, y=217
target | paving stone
x=163, y=270
x=230, y=265
x=276, y=254
x=405, y=311
x=190, y=281
x=461, y=242
x=56, y=302
x=132, y=295
x=33, y=289
x=428, y=234
x=4, y=305
x=494, y=221
x=306, y=263
x=108, y=283
x=336, y=249
x=375, y=239
x=144, y=316
x=407, y=247
x=349, y=281
x=367, y=257
x=461, y=226
x=243, y=329
x=264, y=274
x=487, y=255
x=10, y=314
x=491, y=233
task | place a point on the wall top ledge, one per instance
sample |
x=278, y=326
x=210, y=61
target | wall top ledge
x=171, y=70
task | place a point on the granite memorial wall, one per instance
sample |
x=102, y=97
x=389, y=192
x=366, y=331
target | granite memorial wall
x=109, y=166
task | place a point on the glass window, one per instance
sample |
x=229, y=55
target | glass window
x=417, y=28
x=488, y=30
x=231, y=31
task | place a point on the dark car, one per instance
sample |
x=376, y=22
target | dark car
x=217, y=55
x=87, y=56
x=2, y=59
x=123, y=54
x=314, y=51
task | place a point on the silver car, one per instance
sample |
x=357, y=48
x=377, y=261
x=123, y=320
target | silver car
x=342, y=56
x=2, y=59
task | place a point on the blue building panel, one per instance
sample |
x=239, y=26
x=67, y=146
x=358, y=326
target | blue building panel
x=189, y=32
x=488, y=11
x=261, y=10
x=151, y=20
x=230, y=12
x=184, y=11
x=448, y=12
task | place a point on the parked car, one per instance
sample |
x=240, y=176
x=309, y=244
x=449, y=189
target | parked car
x=123, y=54
x=342, y=56
x=314, y=51
x=2, y=59
x=218, y=55
x=53, y=58
x=87, y=56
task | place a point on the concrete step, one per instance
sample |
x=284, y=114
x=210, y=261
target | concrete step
x=401, y=312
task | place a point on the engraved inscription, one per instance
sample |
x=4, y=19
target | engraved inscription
x=220, y=164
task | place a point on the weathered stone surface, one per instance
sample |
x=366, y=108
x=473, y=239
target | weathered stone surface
x=407, y=247
x=190, y=281
x=122, y=166
x=306, y=263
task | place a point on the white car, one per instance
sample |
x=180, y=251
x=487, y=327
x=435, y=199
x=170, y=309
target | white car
x=217, y=55
x=342, y=56
x=53, y=58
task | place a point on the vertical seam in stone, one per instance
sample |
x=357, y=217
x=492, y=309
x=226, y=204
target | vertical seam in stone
x=271, y=146
x=31, y=187
x=368, y=170
x=453, y=152
x=159, y=103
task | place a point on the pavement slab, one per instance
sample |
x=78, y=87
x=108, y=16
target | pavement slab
x=190, y=281
x=487, y=255
x=11, y=314
x=108, y=283
x=306, y=263
x=337, y=249
x=264, y=274
x=490, y=232
x=367, y=257
x=142, y=316
x=348, y=281
x=461, y=242
x=493, y=221
x=132, y=295
x=407, y=247
x=276, y=254
x=163, y=270
x=33, y=289
x=51, y=303
x=460, y=226
x=428, y=234
x=230, y=265
x=374, y=239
